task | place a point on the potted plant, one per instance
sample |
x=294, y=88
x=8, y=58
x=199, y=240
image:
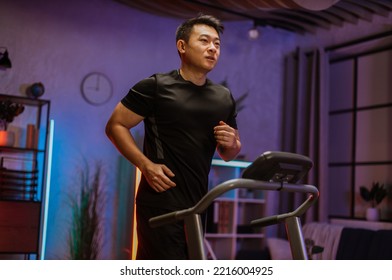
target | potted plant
x=8, y=111
x=86, y=233
x=375, y=196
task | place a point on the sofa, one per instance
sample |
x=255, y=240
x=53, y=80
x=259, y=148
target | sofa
x=337, y=242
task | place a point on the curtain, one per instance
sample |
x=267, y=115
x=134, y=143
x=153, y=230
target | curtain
x=305, y=126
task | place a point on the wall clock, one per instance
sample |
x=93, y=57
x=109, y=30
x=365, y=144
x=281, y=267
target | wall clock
x=96, y=88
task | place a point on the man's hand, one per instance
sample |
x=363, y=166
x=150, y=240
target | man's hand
x=157, y=175
x=228, y=141
x=225, y=135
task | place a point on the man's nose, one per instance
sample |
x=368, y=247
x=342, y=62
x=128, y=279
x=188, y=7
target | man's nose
x=212, y=47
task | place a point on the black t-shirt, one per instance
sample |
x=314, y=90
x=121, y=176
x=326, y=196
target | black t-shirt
x=179, y=132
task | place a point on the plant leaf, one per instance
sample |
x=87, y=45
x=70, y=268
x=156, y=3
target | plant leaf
x=365, y=193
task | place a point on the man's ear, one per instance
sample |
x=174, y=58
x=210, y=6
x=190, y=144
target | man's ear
x=181, y=46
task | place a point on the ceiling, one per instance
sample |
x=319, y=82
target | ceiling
x=299, y=16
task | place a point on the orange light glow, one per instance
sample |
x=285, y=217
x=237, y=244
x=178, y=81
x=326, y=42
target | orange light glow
x=134, y=233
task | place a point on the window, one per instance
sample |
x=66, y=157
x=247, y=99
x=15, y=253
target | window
x=360, y=129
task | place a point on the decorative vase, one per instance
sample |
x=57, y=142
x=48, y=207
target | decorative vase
x=372, y=214
x=7, y=138
x=35, y=90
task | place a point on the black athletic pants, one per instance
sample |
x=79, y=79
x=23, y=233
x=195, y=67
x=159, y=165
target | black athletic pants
x=167, y=242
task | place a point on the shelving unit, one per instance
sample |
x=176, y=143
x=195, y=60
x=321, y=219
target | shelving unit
x=23, y=178
x=228, y=219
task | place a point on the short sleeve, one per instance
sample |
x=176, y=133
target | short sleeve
x=140, y=98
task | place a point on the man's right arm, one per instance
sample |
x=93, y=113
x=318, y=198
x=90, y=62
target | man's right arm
x=118, y=130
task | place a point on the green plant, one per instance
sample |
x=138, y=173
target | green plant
x=312, y=249
x=375, y=195
x=86, y=234
x=8, y=111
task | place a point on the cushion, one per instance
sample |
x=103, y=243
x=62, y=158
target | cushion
x=381, y=246
x=279, y=249
x=354, y=244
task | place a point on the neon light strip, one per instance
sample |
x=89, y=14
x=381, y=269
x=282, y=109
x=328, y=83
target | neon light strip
x=47, y=191
x=233, y=163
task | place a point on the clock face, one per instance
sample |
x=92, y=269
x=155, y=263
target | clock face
x=96, y=88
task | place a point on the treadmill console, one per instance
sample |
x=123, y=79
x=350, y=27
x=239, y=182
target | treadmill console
x=278, y=167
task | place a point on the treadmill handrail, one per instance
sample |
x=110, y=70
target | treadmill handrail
x=239, y=183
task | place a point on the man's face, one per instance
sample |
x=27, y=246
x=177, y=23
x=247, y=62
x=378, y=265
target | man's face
x=203, y=48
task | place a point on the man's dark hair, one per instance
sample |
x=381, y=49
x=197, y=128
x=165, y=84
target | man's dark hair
x=184, y=30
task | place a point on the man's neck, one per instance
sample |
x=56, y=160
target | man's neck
x=198, y=78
